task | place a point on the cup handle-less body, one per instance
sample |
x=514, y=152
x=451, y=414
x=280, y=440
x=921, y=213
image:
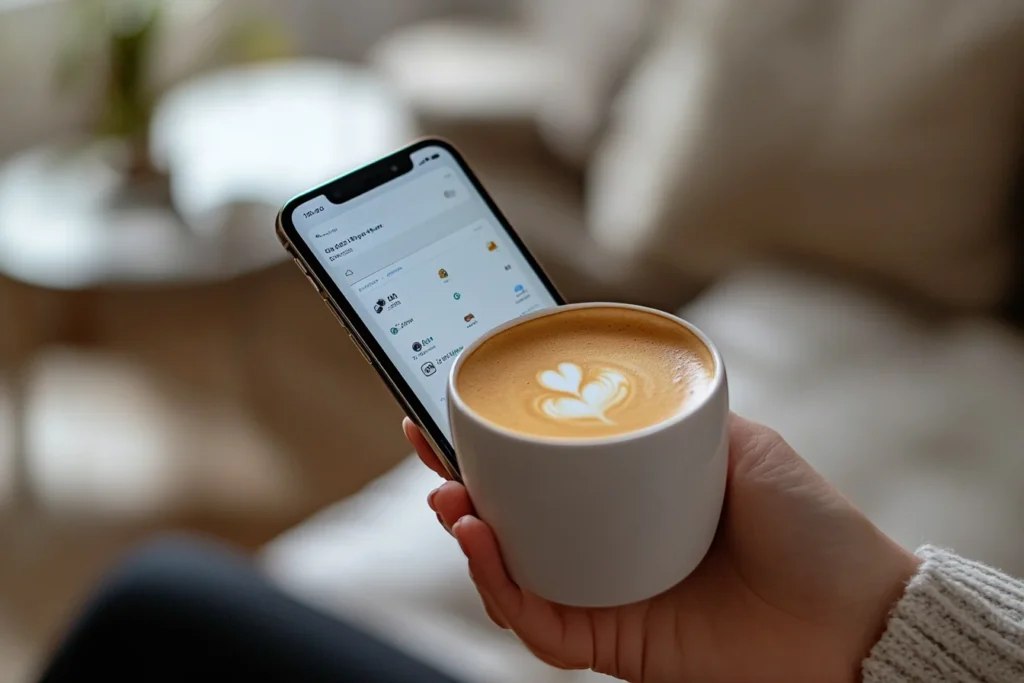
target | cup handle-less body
x=600, y=522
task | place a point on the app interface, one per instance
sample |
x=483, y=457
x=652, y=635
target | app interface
x=427, y=267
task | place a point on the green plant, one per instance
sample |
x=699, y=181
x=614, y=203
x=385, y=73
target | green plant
x=119, y=34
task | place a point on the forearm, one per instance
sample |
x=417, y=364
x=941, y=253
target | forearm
x=957, y=621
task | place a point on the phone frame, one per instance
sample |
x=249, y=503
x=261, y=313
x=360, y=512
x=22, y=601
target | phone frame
x=345, y=188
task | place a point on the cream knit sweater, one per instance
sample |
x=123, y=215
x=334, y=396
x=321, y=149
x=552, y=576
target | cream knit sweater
x=958, y=621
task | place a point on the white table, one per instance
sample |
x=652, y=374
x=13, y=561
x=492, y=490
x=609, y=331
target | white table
x=263, y=133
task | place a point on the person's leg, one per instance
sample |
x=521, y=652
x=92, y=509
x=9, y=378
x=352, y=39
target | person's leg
x=184, y=610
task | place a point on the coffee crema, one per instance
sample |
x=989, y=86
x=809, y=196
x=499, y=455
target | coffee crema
x=586, y=373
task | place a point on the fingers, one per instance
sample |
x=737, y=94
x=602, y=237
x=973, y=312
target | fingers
x=451, y=503
x=753, y=445
x=487, y=568
x=744, y=432
x=531, y=617
x=759, y=456
x=490, y=606
x=415, y=437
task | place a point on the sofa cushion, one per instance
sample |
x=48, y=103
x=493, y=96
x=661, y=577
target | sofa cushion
x=876, y=136
x=916, y=420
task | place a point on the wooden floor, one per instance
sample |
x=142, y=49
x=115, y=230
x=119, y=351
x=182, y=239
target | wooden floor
x=232, y=410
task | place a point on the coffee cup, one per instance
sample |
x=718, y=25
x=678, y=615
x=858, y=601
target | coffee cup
x=593, y=439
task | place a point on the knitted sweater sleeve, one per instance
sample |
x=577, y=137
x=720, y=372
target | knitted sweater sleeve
x=957, y=621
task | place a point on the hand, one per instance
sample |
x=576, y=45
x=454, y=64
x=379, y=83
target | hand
x=796, y=586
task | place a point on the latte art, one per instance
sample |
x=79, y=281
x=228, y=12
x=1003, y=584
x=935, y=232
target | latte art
x=585, y=400
x=586, y=373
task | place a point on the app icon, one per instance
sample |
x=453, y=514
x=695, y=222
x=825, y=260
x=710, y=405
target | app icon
x=508, y=266
x=379, y=306
x=442, y=273
x=456, y=296
x=469, y=317
x=428, y=368
x=449, y=194
x=349, y=273
x=394, y=330
x=492, y=246
x=417, y=347
x=520, y=289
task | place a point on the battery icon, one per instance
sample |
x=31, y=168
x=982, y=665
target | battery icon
x=435, y=156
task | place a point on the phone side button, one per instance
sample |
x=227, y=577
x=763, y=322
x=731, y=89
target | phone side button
x=309, y=276
x=313, y=282
x=337, y=316
x=359, y=347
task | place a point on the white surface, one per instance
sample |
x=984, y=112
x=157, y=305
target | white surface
x=63, y=226
x=58, y=227
x=574, y=525
x=919, y=423
x=263, y=133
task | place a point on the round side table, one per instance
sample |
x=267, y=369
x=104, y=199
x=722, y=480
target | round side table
x=263, y=133
x=235, y=144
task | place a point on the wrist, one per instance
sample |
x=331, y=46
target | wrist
x=883, y=588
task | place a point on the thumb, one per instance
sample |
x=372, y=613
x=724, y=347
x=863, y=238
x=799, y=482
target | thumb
x=759, y=455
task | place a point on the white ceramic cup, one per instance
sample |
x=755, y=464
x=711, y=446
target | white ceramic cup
x=598, y=522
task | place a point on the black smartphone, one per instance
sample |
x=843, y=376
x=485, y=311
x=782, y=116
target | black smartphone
x=415, y=260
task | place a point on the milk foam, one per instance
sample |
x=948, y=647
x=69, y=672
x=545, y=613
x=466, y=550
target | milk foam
x=571, y=398
x=586, y=373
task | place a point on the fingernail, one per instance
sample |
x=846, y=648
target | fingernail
x=430, y=500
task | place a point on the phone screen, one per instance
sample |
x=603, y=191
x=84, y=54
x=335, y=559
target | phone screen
x=427, y=266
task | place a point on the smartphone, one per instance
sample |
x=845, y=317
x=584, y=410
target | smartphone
x=414, y=259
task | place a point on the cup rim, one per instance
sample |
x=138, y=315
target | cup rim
x=714, y=389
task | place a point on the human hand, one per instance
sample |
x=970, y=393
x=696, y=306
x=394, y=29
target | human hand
x=796, y=586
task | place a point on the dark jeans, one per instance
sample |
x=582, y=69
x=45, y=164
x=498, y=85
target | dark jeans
x=183, y=610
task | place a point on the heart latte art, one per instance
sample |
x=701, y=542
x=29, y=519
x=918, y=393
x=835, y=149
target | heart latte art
x=586, y=373
x=581, y=400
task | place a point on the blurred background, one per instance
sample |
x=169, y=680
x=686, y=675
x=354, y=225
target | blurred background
x=832, y=190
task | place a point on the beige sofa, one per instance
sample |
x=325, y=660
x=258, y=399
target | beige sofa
x=831, y=179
